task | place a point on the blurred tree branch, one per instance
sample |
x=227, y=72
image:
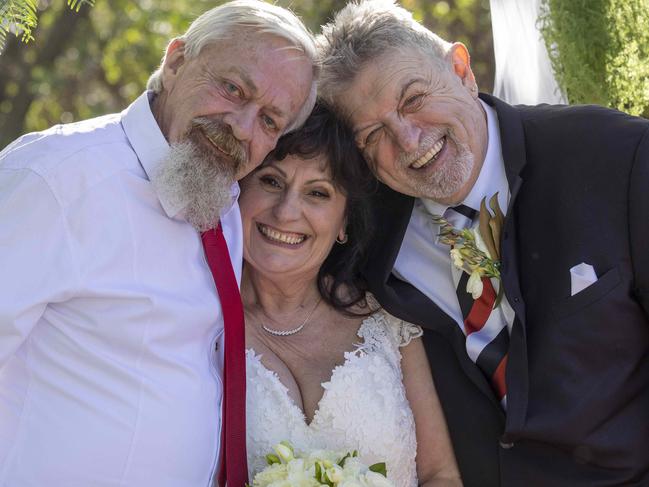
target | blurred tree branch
x=20, y=17
x=46, y=50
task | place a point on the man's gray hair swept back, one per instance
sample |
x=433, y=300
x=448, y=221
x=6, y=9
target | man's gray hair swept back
x=220, y=22
x=362, y=32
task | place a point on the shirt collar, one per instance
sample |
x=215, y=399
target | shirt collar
x=151, y=148
x=492, y=178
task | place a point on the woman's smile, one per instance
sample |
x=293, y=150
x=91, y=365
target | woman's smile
x=275, y=236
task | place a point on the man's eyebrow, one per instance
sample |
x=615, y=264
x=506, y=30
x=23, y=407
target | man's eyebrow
x=407, y=85
x=252, y=87
x=400, y=94
x=277, y=111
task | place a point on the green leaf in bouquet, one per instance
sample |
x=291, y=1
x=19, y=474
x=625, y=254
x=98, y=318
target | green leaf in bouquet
x=379, y=468
x=271, y=458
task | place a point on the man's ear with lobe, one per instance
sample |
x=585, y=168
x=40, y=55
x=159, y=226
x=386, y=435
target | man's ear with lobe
x=174, y=59
x=459, y=56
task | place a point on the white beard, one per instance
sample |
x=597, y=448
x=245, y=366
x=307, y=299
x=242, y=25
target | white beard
x=451, y=178
x=197, y=180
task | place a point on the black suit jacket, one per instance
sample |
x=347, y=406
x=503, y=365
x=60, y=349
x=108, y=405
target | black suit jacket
x=578, y=366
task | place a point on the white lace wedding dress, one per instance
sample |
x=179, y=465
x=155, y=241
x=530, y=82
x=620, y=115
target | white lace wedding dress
x=363, y=408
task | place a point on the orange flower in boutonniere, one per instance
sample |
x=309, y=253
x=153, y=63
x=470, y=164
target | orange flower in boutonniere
x=476, y=251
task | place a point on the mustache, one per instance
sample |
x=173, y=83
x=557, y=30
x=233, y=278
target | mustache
x=221, y=135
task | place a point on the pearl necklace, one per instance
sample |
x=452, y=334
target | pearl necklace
x=285, y=333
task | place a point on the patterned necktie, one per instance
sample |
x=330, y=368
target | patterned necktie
x=487, y=336
x=234, y=466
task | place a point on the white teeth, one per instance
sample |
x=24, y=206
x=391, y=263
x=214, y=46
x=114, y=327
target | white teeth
x=430, y=155
x=289, y=238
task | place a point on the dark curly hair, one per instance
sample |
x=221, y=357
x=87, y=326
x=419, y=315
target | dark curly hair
x=324, y=133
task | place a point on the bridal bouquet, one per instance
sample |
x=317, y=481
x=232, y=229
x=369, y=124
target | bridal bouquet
x=321, y=467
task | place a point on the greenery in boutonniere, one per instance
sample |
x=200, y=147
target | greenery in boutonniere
x=476, y=251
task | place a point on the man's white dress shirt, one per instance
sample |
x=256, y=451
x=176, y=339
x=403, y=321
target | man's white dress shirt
x=108, y=313
x=423, y=261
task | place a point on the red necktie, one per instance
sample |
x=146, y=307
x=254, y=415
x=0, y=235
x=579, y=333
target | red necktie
x=234, y=465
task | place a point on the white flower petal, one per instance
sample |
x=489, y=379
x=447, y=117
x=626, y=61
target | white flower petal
x=474, y=285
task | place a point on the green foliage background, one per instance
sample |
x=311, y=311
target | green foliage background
x=600, y=51
x=98, y=60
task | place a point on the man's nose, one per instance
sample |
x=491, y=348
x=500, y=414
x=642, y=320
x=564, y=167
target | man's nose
x=242, y=122
x=406, y=135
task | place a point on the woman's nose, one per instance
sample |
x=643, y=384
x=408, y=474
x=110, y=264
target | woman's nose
x=288, y=207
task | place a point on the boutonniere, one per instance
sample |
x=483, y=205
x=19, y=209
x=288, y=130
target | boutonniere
x=476, y=251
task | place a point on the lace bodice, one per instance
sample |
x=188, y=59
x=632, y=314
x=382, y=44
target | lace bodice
x=363, y=408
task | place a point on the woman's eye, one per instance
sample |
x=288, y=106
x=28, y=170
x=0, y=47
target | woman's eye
x=270, y=182
x=318, y=193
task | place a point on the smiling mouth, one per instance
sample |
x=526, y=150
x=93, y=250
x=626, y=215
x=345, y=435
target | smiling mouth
x=430, y=156
x=275, y=235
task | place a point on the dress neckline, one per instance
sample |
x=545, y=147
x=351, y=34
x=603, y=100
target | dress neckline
x=359, y=352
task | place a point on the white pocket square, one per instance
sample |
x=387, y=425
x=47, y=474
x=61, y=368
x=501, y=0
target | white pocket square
x=581, y=276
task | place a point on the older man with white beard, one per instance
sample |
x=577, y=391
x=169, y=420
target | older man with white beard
x=109, y=316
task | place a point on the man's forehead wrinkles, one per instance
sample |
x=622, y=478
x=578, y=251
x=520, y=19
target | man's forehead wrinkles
x=394, y=79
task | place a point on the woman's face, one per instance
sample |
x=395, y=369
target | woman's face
x=292, y=214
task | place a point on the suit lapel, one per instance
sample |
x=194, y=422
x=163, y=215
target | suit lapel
x=513, y=148
x=402, y=299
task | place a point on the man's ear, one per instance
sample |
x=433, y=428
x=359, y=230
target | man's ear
x=174, y=59
x=461, y=61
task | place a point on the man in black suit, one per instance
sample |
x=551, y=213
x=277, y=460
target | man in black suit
x=550, y=386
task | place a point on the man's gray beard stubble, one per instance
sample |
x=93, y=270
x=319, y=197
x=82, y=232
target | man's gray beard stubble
x=449, y=179
x=197, y=180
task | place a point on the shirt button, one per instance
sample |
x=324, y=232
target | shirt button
x=517, y=299
x=505, y=444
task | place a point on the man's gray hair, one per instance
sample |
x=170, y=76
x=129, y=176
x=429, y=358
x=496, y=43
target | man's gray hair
x=362, y=32
x=222, y=21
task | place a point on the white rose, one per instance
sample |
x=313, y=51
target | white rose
x=335, y=473
x=353, y=468
x=374, y=479
x=270, y=475
x=300, y=474
x=474, y=285
x=350, y=483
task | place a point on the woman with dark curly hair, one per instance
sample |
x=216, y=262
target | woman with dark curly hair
x=326, y=369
